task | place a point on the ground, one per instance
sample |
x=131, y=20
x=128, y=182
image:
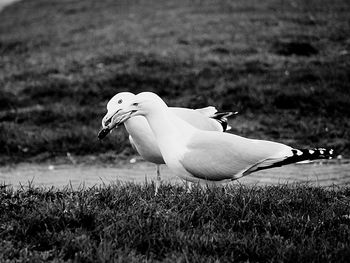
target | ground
x=283, y=64
x=319, y=173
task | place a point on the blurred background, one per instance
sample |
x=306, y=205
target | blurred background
x=283, y=64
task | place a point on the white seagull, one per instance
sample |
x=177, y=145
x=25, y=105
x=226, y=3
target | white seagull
x=208, y=156
x=140, y=134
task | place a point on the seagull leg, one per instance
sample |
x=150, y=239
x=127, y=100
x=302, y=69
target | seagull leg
x=158, y=181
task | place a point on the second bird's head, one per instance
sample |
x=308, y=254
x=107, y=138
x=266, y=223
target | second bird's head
x=125, y=105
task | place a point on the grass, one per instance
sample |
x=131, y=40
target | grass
x=284, y=65
x=126, y=223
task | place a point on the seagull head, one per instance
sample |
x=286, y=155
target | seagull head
x=117, y=103
x=141, y=104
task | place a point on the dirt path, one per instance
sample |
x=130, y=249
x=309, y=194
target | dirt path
x=322, y=174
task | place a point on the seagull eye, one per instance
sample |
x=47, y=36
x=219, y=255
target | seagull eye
x=120, y=101
x=135, y=104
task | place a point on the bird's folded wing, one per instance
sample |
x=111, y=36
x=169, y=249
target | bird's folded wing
x=265, y=164
x=197, y=119
x=219, y=156
x=207, y=111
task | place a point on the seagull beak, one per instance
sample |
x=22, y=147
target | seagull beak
x=120, y=116
x=107, y=120
x=114, y=119
x=107, y=125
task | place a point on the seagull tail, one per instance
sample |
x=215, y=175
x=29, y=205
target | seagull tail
x=298, y=155
x=221, y=117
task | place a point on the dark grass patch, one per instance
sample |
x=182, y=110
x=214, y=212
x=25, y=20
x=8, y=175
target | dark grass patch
x=294, y=48
x=258, y=58
x=19, y=144
x=12, y=46
x=277, y=223
x=21, y=46
x=7, y=100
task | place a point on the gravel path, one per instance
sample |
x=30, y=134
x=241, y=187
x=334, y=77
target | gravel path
x=318, y=173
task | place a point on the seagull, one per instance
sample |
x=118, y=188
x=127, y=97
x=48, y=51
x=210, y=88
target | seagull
x=141, y=136
x=209, y=157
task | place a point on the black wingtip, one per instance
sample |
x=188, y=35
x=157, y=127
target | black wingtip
x=316, y=153
x=221, y=117
x=300, y=155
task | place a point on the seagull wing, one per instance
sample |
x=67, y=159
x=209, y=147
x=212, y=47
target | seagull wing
x=197, y=119
x=207, y=111
x=220, y=156
x=207, y=119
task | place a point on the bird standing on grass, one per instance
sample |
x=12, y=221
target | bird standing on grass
x=140, y=134
x=208, y=156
